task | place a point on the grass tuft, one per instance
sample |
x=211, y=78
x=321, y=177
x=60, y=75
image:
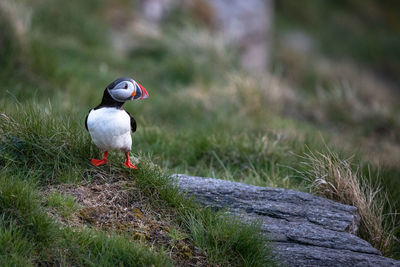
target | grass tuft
x=65, y=205
x=96, y=248
x=20, y=204
x=15, y=249
x=35, y=139
x=226, y=240
x=334, y=178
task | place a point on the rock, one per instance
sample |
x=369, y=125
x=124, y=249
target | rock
x=245, y=25
x=306, y=230
x=248, y=26
x=153, y=11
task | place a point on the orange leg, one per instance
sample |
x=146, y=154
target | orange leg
x=128, y=162
x=98, y=162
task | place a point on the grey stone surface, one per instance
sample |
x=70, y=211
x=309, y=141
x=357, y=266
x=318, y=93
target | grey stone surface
x=306, y=230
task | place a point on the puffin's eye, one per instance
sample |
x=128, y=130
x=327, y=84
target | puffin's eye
x=126, y=86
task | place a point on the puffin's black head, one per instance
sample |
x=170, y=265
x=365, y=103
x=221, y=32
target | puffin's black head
x=121, y=90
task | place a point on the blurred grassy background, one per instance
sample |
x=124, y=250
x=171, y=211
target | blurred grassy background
x=332, y=85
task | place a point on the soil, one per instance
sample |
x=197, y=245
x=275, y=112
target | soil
x=120, y=206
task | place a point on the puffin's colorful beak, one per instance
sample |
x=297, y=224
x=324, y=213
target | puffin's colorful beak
x=143, y=93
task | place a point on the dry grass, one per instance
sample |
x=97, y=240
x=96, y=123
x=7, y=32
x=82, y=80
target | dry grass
x=339, y=94
x=335, y=179
x=122, y=207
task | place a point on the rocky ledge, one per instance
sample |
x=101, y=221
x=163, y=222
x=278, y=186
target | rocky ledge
x=306, y=230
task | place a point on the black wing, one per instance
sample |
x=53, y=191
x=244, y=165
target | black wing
x=86, y=121
x=133, y=122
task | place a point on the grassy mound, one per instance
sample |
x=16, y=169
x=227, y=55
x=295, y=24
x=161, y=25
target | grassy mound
x=39, y=150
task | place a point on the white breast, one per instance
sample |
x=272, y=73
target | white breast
x=110, y=128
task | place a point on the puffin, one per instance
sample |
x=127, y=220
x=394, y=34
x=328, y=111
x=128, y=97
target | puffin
x=109, y=125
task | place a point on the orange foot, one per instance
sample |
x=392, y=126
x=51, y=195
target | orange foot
x=98, y=162
x=128, y=162
x=130, y=165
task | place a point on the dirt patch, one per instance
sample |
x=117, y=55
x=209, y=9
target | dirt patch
x=122, y=207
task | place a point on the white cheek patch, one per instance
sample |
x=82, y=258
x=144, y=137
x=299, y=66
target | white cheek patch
x=120, y=95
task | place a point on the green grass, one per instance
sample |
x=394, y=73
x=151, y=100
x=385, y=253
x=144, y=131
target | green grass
x=223, y=237
x=348, y=84
x=368, y=31
x=33, y=238
x=35, y=157
x=97, y=248
x=201, y=119
x=226, y=240
x=65, y=205
x=43, y=143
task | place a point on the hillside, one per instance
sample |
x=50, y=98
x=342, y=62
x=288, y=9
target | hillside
x=324, y=130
